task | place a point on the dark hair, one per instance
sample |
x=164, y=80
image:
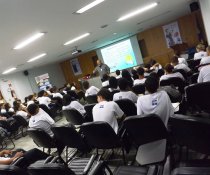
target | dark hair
x=105, y=77
x=147, y=66
x=154, y=75
x=134, y=73
x=105, y=94
x=86, y=85
x=113, y=82
x=7, y=106
x=151, y=84
x=41, y=93
x=123, y=84
x=152, y=62
x=30, y=97
x=140, y=71
x=32, y=109
x=127, y=76
x=169, y=68
x=117, y=72
x=175, y=60
x=67, y=99
x=16, y=106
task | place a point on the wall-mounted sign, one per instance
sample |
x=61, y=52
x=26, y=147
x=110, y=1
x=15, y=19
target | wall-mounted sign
x=75, y=66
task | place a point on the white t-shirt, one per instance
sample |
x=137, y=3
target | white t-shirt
x=158, y=103
x=48, y=92
x=200, y=55
x=92, y=90
x=183, y=67
x=125, y=95
x=118, y=76
x=22, y=114
x=75, y=105
x=173, y=75
x=44, y=100
x=105, y=83
x=107, y=112
x=3, y=111
x=42, y=121
x=139, y=81
x=182, y=61
x=57, y=94
x=204, y=74
x=205, y=60
x=30, y=102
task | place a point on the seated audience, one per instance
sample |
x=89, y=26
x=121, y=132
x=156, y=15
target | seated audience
x=147, y=70
x=125, y=92
x=73, y=86
x=118, y=74
x=107, y=111
x=48, y=90
x=206, y=60
x=154, y=66
x=113, y=84
x=105, y=82
x=6, y=107
x=127, y=76
x=69, y=104
x=141, y=79
x=177, y=65
x=20, y=112
x=200, y=48
x=181, y=60
x=169, y=73
x=31, y=100
x=43, y=98
x=55, y=93
x=89, y=90
x=156, y=102
x=134, y=74
x=204, y=74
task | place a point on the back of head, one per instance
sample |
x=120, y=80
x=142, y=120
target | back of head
x=200, y=47
x=169, y=68
x=175, y=60
x=140, y=71
x=126, y=74
x=41, y=93
x=16, y=106
x=151, y=84
x=123, y=84
x=85, y=85
x=66, y=100
x=117, y=72
x=105, y=77
x=154, y=75
x=152, y=62
x=113, y=82
x=105, y=94
x=32, y=109
x=30, y=97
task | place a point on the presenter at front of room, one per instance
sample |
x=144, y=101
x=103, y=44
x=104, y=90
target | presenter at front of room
x=101, y=69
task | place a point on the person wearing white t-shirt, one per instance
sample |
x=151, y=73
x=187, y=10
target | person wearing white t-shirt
x=204, y=74
x=118, y=74
x=105, y=82
x=177, y=65
x=55, y=92
x=31, y=100
x=90, y=90
x=169, y=73
x=141, y=79
x=124, y=93
x=43, y=99
x=113, y=84
x=69, y=104
x=107, y=111
x=200, y=48
x=156, y=102
x=206, y=60
x=19, y=111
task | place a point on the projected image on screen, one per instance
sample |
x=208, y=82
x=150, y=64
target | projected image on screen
x=119, y=56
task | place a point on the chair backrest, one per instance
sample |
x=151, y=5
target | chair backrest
x=21, y=121
x=91, y=99
x=145, y=129
x=68, y=136
x=177, y=82
x=73, y=94
x=197, y=95
x=192, y=132
x=11, y=170
x=73, y=116
x=45, y=108
x=100, y=135
x=41, y=138
x=139, y=89
x=89, y=113
x=127, y=106
x=181, y=71
x=193, y=63
x=194, y=78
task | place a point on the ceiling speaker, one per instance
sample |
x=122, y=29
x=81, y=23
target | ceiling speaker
x=25, y=73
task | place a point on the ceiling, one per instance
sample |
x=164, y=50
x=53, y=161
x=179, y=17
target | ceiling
x=22, y=18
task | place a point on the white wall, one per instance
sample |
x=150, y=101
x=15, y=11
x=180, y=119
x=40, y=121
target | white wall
x=205, y=9
x=26, y=85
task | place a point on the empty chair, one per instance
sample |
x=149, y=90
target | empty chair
x=91, y=99
x=89, y=113
x=127, y=106
x=73, y=116
x=139, y=89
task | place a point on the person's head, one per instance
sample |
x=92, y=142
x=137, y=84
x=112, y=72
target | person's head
x=17, y=107
x=7, y=106
x=208, y=50
x=147, y=67
x=41, y=93
x=104, y=95
x=113, y=83
x=86, y=85
x=31, y=97
x=140, y=72
x=105, y=77
x=169, y=68
x=126, y=74
x=151, y=84
x=154, y=75
x=200, y=47
x=174, y=60
x=123, y=84
x=67, y=100
x=54, y=89
x=33, y=109
x=117, y=72
x=99, y=62
x=152, y=62
x=134, y=73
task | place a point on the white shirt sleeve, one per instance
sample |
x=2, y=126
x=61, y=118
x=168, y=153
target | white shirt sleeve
x=139, y=110
x=118, y=112
x=200, y=77
x=134, y=97
x=47, y=118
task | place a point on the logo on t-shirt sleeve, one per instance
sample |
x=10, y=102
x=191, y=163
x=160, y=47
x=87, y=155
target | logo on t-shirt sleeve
x=101, y=106
x=154, y=102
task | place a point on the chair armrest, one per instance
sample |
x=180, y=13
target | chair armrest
x=17, y=161
x=89, y=164
x=48, y=159
x=99, y=166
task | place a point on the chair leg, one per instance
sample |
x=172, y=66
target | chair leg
x=123, y=152
x=67, y=154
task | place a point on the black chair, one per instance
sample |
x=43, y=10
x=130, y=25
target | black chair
x=46, y=109
x=194, y=78
x=150, y=136
x=73, y=116
x=181, y=71
x=198, y=96
x=12, y=170
x=21, y=122
x=127, y=106
x=191, y=171
x=100, y=135
x=193, y=64
x=114, y=92
x=42, y=139
x=89, y=114
x=91, y=99
x=177, y=82
x=139, y=89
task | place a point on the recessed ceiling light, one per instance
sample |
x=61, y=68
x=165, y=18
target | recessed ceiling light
x=114, y=33
x=141, y=10
x=28, y=41
x=89, y=6
x=37, y=57
x=76, y=39
x=9, y=70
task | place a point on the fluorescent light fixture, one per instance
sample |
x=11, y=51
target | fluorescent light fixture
x=28, y=41
x=141, y=10
x=89, y=6
x=9, y=70
x=76, y=39
x=37, y=57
